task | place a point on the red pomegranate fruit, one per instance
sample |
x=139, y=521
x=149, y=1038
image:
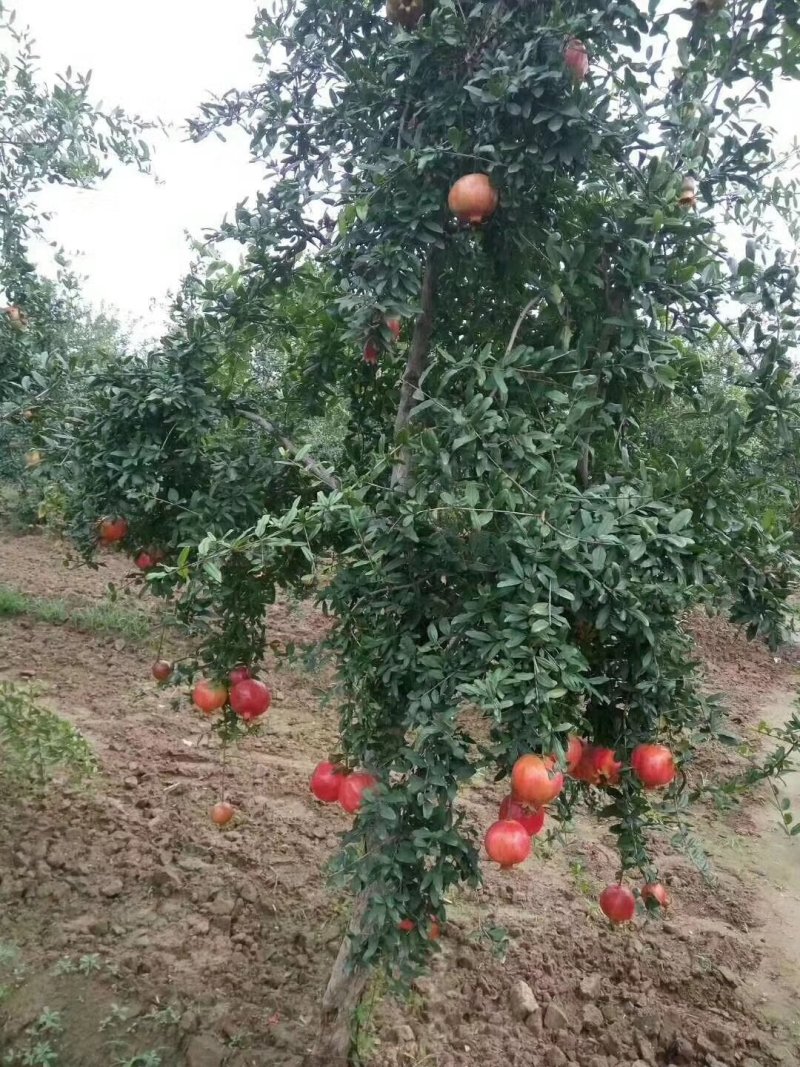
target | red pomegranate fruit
x=239, y=674
x=473, y=199
x=618, y=903
x=326, y=781
x=532, y=821
x=250, y=699
x=574, y=754
x=598, y=766
x=576, y=59
x=209, y=696
x=653, y=765
x=534, y=782
x=222, y=813
x=161, y=670
x=112, y=530
x=352, y=789
x=371, y=352
x=655, y=893
x=507, y=842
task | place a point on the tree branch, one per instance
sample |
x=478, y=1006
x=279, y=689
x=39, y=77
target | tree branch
x=312, y=465
x=522, y=315
x=417, y=357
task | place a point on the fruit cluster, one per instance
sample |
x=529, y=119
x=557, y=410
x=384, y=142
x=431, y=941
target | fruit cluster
x=536, y=781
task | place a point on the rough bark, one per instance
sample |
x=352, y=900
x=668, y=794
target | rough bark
x=339, y=1002
x=415, y=365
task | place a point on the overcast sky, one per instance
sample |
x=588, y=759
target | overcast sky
x=161, y=58
x=156, y=58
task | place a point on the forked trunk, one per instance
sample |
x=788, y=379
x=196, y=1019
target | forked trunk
x=339, y=1003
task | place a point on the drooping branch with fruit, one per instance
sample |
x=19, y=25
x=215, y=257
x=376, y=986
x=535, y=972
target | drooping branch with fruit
x=518, y=275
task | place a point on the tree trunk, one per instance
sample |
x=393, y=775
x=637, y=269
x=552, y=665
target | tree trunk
x=339, y=1002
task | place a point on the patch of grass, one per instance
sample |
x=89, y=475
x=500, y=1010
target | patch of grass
x=107, y=619
x=583, y=882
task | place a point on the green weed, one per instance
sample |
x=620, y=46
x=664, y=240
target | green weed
x=117, y=1014
x=42, y=1054
x=49, y=1022
x=164, y=1017
x=65, y=966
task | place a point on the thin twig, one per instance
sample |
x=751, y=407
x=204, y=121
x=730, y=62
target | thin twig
x=312, y=465
x=517, y=325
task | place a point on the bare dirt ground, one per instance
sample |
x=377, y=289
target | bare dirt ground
x=161, y=941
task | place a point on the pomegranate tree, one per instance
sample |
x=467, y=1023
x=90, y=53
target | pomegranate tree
x=507, y=522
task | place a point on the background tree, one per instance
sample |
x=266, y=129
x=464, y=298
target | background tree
x=505, y=545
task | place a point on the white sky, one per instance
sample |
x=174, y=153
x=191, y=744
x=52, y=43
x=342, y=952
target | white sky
x=162, y=58
x=156, y=58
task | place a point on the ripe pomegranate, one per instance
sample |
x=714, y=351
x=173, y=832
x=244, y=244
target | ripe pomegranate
x=239, y=674
x=574, y=754
x=144, y=561
x=653, y=765
x=507, y=842
x=473, y=199
x=394, y=326
x=161, y=670
x=326, y=782
x=222, y=813
x=371, y=352
x=655, y=893
x=113, y=530
x=533, y=781
x=209, y=696
x=618, y=903
x=576, y=59
x=250, y=699
x=434, y=932
x=352, y=790
x=598, y=766
x=533, y=821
